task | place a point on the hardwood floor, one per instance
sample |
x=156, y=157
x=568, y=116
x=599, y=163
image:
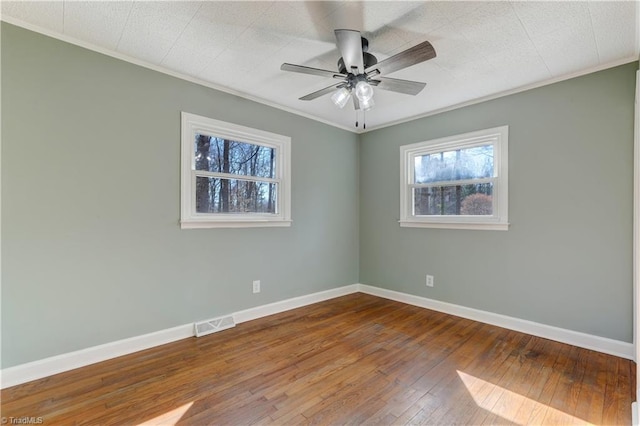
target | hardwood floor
x=354, y=359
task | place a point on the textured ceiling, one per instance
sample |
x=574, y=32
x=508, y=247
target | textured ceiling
x=483, y=48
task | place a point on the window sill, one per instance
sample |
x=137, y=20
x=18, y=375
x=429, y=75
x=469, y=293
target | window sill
x=484, y=226
x=249, y=223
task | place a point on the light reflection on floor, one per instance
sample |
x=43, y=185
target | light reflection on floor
x=507, y=405
x=170, y=417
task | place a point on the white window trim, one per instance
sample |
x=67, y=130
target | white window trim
x=499, y=221
x=189, y=218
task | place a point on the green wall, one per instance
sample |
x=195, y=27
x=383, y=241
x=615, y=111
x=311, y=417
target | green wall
x=92, y=250
x=566, y=260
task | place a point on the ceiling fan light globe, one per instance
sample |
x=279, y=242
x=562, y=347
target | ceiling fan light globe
x=367, y=105
x=340, y=97
x=364, y=91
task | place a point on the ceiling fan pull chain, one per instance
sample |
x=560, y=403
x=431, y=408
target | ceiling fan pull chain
x=364, y=120
x=356, y=118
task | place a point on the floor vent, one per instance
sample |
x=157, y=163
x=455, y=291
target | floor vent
x=214, y=325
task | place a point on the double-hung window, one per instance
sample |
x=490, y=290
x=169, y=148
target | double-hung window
x=458, y=182
x=233, y=176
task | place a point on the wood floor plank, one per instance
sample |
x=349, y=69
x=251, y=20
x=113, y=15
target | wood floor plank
x=357, y=359
x=623, y=392
x=503, y=403
x=610, y=409
x=559, y=402
x=451, y=389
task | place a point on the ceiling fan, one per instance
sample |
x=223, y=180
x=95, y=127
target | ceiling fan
x=358, y=71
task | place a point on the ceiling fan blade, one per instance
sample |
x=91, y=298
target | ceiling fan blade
x=313, y=71
x=350, y=46
x=414, y=55
x=322, y=92
x=407, y=87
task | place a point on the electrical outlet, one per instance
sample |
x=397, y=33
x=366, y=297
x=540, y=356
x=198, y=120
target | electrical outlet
x=429, y=280
x=256, y=286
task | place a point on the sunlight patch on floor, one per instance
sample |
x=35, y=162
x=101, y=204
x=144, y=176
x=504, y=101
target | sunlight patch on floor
x=170, y=417
x=512, y=406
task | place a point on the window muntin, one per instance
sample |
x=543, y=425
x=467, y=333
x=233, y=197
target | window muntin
x=456, y=182
x=233, y=176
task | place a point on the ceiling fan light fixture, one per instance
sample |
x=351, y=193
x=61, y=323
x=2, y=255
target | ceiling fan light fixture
x=341, y=96
x=364, y=91
x=359, y=71
x=367, y=105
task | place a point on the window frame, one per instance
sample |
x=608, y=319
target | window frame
x=499, y=221
x=192, y=124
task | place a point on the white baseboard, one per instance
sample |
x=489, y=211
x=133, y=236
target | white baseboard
x=296, y=302
x=575, y=338
x=57, y=364
x=49, y=366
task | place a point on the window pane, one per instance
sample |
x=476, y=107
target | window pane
x=467, y=163
x=234, y=196
x=239, y=158
x=459, y=200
